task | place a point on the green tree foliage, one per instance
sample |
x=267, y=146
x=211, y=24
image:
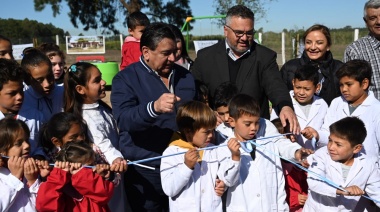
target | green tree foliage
x=100, y=14
x=257, y=6
x=23, y=31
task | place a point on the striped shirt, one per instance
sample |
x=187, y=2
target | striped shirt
x=367, y=48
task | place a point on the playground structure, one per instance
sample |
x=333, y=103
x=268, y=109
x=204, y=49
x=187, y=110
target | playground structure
x=187, y=26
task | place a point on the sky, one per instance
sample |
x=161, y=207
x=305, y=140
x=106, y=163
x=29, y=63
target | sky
x=289, y=14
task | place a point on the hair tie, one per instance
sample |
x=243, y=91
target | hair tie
x=73, y=68
x=64, y=151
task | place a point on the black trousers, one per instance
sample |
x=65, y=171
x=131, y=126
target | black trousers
x=144, y=190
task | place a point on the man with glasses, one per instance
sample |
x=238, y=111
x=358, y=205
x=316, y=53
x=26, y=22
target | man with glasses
x=252, y=67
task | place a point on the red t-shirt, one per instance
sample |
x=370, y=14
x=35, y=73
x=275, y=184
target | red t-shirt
x=295, y=183
x=130, y=52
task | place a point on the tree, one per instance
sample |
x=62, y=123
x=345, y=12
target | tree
x=348, y=27
x=257, y=6
x=94, y=14
x=23, y=31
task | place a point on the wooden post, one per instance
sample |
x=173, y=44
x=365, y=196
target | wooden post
x=260, y=37
x=297, y=45
x=35, y=42
x=283, y=47
x=57, y=40
x=356, y=34
x=121, y=44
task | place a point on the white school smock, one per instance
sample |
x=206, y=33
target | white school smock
x=364, y=173
x=193, y=190
x=35, y=100
x=224, y=129
x=15, y=194
x=261, y=186
x=32, y=119
x=102, y=129
x=368, y=112
x=315, y=118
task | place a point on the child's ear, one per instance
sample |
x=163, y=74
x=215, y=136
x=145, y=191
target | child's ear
x=56, y=142
x=293, y=80
x=130, y=31
x=80, y=89
x=318, y=88
x=231, y=121
x=365, y=84
x=357, y=148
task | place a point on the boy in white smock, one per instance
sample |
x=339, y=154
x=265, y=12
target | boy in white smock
x=195, y=181
x=356, y=100
x=261, y=183
x=222, y=96
x=342, y=162
x=309, y=108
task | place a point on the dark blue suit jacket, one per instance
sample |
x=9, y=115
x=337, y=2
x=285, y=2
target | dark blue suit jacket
x=141, y=135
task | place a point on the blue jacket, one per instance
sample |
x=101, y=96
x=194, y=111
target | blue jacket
x=143, y=132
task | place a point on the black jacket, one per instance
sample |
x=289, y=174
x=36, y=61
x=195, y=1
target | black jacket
x=328, y=67
x=258, y=75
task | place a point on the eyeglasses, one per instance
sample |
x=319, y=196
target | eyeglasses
x=240, y=33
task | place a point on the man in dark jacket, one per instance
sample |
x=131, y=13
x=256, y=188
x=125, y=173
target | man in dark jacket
x=144, y=101
x=250, y=66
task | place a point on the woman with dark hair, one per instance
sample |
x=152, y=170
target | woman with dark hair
x=317, y=40
x=181, y=56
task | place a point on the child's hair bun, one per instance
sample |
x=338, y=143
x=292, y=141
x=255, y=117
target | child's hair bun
x=30, y=50
x=76, y=152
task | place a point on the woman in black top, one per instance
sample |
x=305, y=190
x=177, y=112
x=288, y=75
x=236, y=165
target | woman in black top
x=317, y=52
